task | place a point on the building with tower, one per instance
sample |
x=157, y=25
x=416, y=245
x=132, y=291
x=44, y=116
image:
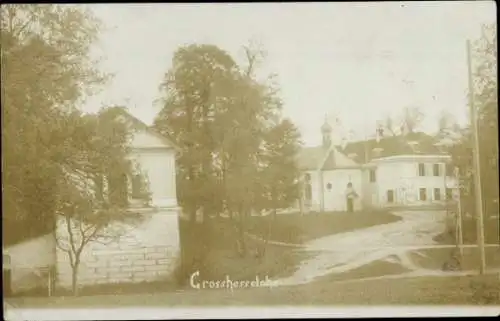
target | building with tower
x=384, y=171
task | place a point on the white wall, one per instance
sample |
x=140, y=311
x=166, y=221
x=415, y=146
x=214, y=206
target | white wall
x=144, y=139
x=335, y=199
x=370, y=189
x=157, y=159
x=28, y=258
x=159, y=165
x=396, y=175
x=147, y=252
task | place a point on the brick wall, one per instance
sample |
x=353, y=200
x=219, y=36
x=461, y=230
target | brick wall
x=147, y=252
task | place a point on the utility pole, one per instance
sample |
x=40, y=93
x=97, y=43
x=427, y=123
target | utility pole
x=477, y=169
x=459, y=237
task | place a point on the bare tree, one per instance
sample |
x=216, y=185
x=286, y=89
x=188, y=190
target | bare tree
x=390, y=126
x=83, y=226
x=411, y=118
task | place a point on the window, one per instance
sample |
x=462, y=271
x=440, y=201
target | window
x=421, y=169
x=390, y=196
x=137, y=186
x=423, y=194
x=373, y=176
x=436, y=169
x=449, y=193
x=437, y=194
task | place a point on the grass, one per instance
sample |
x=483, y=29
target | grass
x=374, y=269
x=434, y=258
x=296, y=228
x=491, y=232
x=103, y=289
x=223, y=259
x=408, y=291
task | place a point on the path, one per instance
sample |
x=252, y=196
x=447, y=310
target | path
x=388, y=242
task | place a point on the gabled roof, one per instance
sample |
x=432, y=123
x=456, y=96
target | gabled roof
x=338, y=159
x=137, y=124
x=310, y=158
x=411, y=144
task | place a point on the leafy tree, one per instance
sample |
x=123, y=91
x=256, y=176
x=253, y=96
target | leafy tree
x=46, y=71
x=486, y=101
x=245, y=125
x=279, y=175
x=96, y=149
x=218, y=113
x=194, y=89
x=55, y=157
x=460, y=140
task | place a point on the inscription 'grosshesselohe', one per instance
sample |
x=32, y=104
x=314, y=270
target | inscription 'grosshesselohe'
x=227, y=283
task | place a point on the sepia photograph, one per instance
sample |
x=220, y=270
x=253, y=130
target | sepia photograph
x=249, y=160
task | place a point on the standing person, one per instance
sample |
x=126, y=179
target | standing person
x=350, y=196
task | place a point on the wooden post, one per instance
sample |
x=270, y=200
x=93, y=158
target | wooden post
x=459, y=217
x=301, y=196
x=446, y=205
x=50, y=281
x=477, y=169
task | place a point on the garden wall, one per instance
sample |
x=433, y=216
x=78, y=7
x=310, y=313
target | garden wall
x=147, y=252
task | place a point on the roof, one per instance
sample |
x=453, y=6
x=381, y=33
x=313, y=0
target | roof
x=341, y=160
x=139, y=125
x=310, y=158
x=412, y=144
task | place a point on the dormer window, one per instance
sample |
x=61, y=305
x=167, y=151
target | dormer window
x=377, y=151
x=414, y=146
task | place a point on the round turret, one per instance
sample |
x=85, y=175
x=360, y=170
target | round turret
x=326, y=128
x=326, y=133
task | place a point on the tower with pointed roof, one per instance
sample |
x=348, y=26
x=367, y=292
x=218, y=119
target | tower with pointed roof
x=326, y=132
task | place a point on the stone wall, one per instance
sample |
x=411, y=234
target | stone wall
x=147, y=252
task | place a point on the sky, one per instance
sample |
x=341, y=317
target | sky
x=358, y=62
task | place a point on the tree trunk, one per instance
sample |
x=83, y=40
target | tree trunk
x=74, y=277
x=241, y=232
x=269, y=230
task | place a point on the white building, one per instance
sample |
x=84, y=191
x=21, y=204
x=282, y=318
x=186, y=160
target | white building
x=404, y=170
x=149, y=251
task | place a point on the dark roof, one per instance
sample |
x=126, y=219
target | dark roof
x=393, y=146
